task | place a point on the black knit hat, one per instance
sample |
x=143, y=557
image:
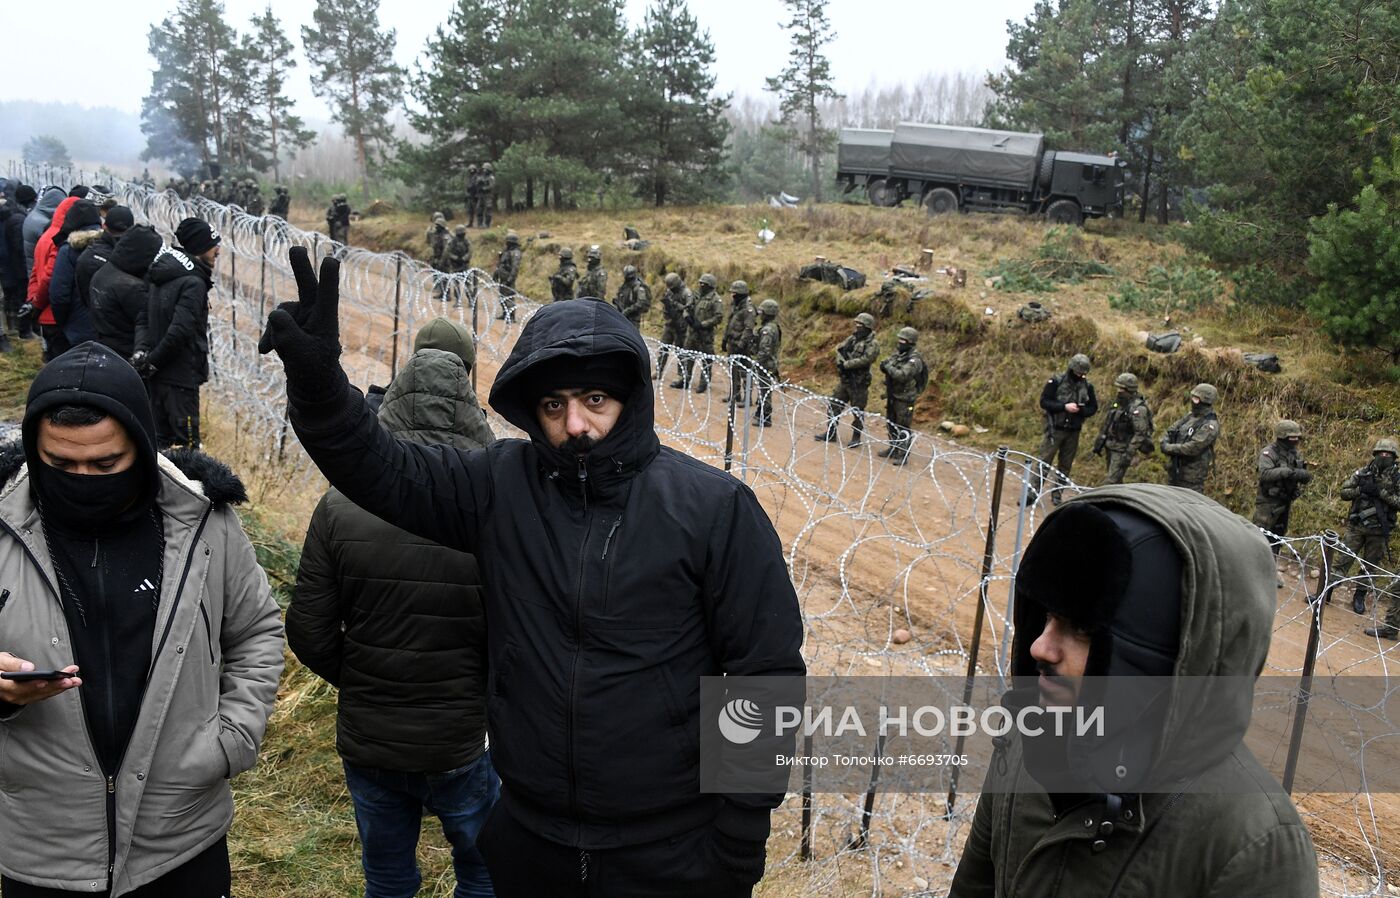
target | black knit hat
x=25, y=194
x=119, y=219
x=196, y=237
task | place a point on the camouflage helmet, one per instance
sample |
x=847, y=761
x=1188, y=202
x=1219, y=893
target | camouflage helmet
x=1286, y=429
x=709, y=280
x=739, y=288
x=768, y=308
x=1386, y=444
x=908, y=335
x=472, y=168
x=1206, y=393
x=566, y=253
x=339, y=198
x=512, y=237
x=865, y=319
x=439, y=217
x=1079, y=364
x=250, y=183
x=673, y=280
x=1126, y=381
x=487, y=167
x=629, y=272
x=460, y=230
x=595, y=252
x=281, y=188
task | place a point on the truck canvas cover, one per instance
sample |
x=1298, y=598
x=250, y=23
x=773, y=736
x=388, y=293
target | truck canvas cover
x=974, y=155
x=864, y=151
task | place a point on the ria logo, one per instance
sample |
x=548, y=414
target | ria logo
x=740, y=721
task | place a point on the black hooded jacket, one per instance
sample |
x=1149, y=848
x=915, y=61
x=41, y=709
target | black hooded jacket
x=177, y=333
x=118, y=293
x=613, y=584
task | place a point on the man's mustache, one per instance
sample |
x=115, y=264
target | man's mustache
x=579, y=445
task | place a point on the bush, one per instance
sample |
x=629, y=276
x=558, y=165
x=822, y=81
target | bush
x=1060, y=258
x=1166, y=290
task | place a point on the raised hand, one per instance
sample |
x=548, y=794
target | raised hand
x=306, y=333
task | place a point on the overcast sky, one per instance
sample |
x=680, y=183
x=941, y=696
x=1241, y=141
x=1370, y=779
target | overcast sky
x=890, y=41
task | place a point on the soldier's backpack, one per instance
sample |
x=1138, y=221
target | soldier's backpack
x=1033, y=312
x=1166, y=343
x=851, y=279
x=922, y=380
x=1264, y=361
x=1150, y=446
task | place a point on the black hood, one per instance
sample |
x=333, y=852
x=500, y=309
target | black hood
x=81, y=215
x=92, y=374
x=171, y=263
x=581, y=330
x=136, y=250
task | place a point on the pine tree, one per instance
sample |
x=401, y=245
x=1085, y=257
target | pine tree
x=183, y=115
x=680, y=128
x=354, y=69
x=805, y=82
x=45, y=149
x=269, y=60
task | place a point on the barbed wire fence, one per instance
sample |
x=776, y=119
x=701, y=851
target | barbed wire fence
x=901, y=571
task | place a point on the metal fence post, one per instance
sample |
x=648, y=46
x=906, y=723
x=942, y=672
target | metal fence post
x=1300, y=713
x=868, y=809
x=988, y=553
x=476, y=327
x=233, y=285
x=806, y=850
x=398, y=291
x=729, y=421
x=262, y=274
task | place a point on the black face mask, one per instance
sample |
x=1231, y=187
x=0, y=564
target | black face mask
x=90, y=501
x=1383, y=461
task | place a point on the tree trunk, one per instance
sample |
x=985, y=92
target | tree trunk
x=1146, y=194
x=530, y=193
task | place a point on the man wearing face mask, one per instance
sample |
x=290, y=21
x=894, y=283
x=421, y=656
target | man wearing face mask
x=606, y=605
x=132, y=594
x=1374, y=494
x=1190, y=443
x=1168, y=799
x=1067, y=400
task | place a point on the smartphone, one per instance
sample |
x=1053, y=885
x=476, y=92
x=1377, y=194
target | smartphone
x=29, y=676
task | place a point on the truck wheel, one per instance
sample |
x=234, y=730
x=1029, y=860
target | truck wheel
x=941, y=201
x=1046, y=174
x=1064, y=212
x=880, y=194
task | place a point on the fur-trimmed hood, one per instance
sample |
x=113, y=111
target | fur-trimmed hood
x=81, y=240
x=203, y=474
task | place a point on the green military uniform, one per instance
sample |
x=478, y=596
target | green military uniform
x=507, y=270
x=906, y=376
x=458, y=256
x=437, y=238
x=281, y=203
x=338, y=219
x=562, y=281
x=1374, y=494
x=633, y=298
x=1282, y=473
x=1063, y=426
x=254, y=204
x=485, y=196
x=738, y=331
x=706, y=313
x=1190, y=442
x=675, y=305
x=854, y=357
x=767, y=344
x=473, y=194
x=594, y=281
x=1127, y=429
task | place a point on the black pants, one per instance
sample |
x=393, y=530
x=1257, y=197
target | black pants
x=206, y=875
x=55, y=343
x=177, y=414
x=524, y=865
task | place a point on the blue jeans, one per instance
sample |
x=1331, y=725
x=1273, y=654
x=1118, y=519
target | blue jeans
x=389, y=807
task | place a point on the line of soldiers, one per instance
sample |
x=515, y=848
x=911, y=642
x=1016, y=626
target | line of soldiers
x=1373, y=491
x=906, y=377
x=481, y=195
x=448, y=251
x=244, y=193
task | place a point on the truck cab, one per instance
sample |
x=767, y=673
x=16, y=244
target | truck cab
x=1083, y=185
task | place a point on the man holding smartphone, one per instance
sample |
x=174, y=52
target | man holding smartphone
x=129, y=572
x=618, y=572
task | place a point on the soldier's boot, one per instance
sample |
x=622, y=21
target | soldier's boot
x=894, y=442
x=1384, y=631
x=830, y=434
x=661, y=358
x=682, y=381
x=900, y=455
x=1358, y=600
x=857, y=431
x=704, y=383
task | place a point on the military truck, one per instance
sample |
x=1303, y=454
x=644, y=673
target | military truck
x=949, y=169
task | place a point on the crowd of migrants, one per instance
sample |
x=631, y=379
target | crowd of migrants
x=582, y=663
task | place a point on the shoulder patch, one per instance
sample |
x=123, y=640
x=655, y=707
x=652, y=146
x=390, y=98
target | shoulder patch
x=1268, y=453
x=1138, y=410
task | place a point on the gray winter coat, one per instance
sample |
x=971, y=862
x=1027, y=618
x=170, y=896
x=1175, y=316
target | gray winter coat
x=37, y=222
x=217, y=657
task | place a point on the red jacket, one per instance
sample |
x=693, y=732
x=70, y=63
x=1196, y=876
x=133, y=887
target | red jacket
x=45, y=254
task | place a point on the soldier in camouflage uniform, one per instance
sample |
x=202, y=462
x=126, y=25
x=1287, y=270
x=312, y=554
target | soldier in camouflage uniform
x=1127, y=429
x=854, y=357
x=633, y=298
x=507, y=270
x=281, y=203
x=485, y=195
x=561, y=282
x=1282, y=473
x=675, y=304
x=593, y=282
x=473, y=193
x=253, y=198
x=1374, y=494
x=1190, y=442
x=437, y=237
x=457, y=259
x=338, y=218
x=705, y=314
x=1067, y=400
x=906, y=376
x=182, y=188
x=738, y=333
x=766, y=346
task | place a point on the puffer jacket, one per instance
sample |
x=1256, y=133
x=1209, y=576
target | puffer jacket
x=70, y=311
x=606, y=602
x=118, y=293
x=399, y=629
x=38, y=221
x=176, y=336
x=216, y=658
x=1233, y=832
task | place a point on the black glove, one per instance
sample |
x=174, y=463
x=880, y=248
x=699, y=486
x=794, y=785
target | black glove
x=25, y=310
x=1369, y=488
x=142, y=364
x=1302, y=475
x=740, y=858
x=306, y=333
